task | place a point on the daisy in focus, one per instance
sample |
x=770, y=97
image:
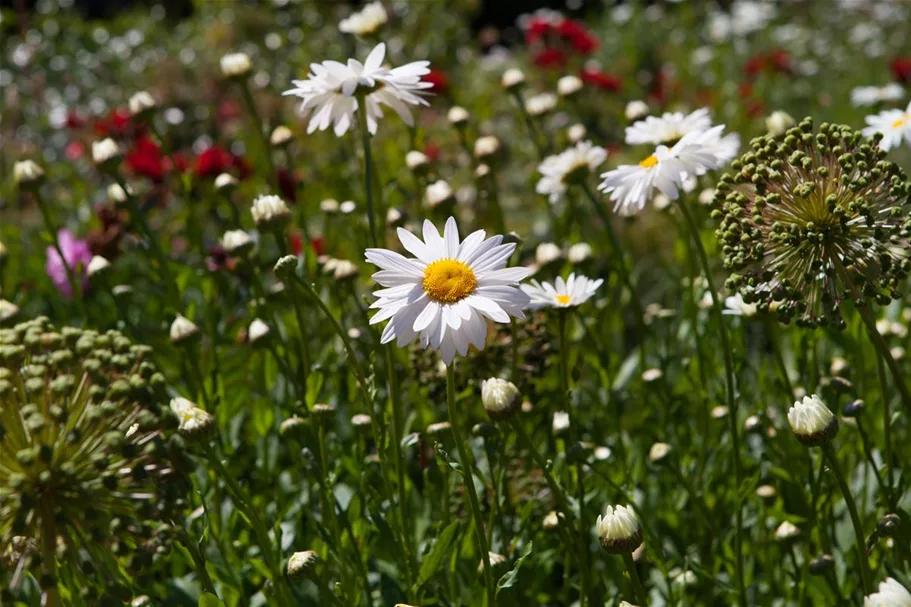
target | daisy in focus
x=569, y=293
x=569, y=167
x=448, y=290
x=895, y=125
x=631, y=186
x=333, y=91
x=365, y=22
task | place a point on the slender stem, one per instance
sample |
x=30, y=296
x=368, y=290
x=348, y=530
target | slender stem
x=855, y=518
x=398, y=423
x=772, y=333
x=887, y=428
x=532, y=130
x=514, y=346
x=731, y=400
x=260, y=129
x=368, y=170
x=198, y=560
x=883, y=349
x=552, y=483
x=468, y=479
x=49, y=555
x=638, y=590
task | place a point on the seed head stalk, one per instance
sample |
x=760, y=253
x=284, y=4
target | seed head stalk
x=730, y=398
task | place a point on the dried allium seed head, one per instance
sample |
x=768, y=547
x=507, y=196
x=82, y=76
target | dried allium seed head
x=83, y=416
x=810, y=220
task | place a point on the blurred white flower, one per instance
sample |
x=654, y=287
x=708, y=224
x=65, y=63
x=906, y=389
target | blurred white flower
x=141, y=102
x=270, y=211
x=236, y=242
x=280, y=136
x=105, y=151
x=569, y=85
x=512, y=78
x=786, y=531
x=257, y=331
x=27, y=172
x=333, y=91
x=97, y=265
x=889, y=594
x=778, y=122
x=862, y=96
x=575, y=133
x=579, y=252
x=485, y=146
x=438, y=192
x=225, y=181
x=415, y=160
x=457, y=115
x=668, y=128
x=636, y=109
x=574, y=291
x=547, y=252
x=735, y=306
x=895, y=125
x=347, y=207
x=572, y=166
x=448, y=290
x=235, y=65
x=365, y=22
x=540, y=104
x=560, y=422
x=182, y=329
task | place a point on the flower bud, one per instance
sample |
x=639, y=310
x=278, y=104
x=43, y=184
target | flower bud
x=560, y=423
x=270, y=212
x=636, y=109
x=618, y=530
x=258, y=332
x=579, y=253
x=500, y=398
x=439, y=429
x=225, y=182
x=569, y=85
x=285, y=266
x=822, y=564
x=457, y=116
x=361, y=422
x=658, y=452
x=7, y=309
x=194, y=423
x=294, y=428
x=417, y=161
x=778, y=122
x=576, y=133
x=486, y=146
x=438, y=193
x=540, y=104
x=236, y=65
x=28, y=174
x=812, y=422
x=141, y=103
x=786, y=531
x=237, y=242
x=553, y=520
x=106, y=152
x=117, y=194
x=547, y=252
x=512, y=78
x=183, y=330
x=281, y=136
x=97, y=265
x=301, y=564
x=890, y=525
x=497, y=561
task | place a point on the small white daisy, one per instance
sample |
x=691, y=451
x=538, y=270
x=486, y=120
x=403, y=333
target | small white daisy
x=574, y=291
x=668, y=128
x=365, y=22
x=448, y=290
x=863, y=96
x=889, y=594
x=330, y=92
x=631, y=186
x=573, y=165
x=895, y=125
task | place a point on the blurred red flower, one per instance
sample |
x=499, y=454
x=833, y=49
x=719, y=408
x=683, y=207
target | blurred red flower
x=439, y=80
x=775, y=61
x=115, y=124
x=601, y=80
x=287, y=185
x=432, y=152
x=550, y=57
x=901, y=69
x=213, y=161
x=578, y=36
x=144, y=158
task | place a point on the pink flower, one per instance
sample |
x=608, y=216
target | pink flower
x=77, y=255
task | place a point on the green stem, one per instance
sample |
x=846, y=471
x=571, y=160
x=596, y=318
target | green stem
x=731, y=400
x=552, y=483
x=772, y=332
x=368, y=170
x=532, y=130
x=883, y=349
x=468, y=479
x=638, y=590
x=199, y=560
x=260, y=129
x=887, y=429
x=855, y=518
x=49, y=555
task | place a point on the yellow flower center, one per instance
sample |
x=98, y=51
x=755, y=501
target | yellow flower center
x=449, y=281
x=649, y=162
x=563, y=299
x=900, y=121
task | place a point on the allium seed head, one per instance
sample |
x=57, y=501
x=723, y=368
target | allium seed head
x=810, y=220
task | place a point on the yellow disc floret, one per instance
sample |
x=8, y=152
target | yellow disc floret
x=449, y=281
x=563, y=299
x=649, y=162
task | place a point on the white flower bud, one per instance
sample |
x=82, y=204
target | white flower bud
x=500, y=397
x=653, y=374
x=236, y=242
x=560, y=423
x=105, y=151
x=569, y=85
x=512, y=78
x=347, y=207
x=540, y=104
x=576, y=133
x=194, y=423
x=97, y=265
x=301, y=564
x=270, y=211
x=786, y=531
x=618, y=530
x=225, y=181
x=183, y=330
x=636, y=109
x=280, y=136
x=437, y=193
x=812, y=422
x=257, y=332
x=329, y=205
x=7, y=309
x=552, y=520
x=579, y=252
x=416, y=160
x=236, y=65
x=457, y=115
x=658, y=452
x=486, y=146
x=141, y=102
x=365, y=22
x=546, y=253
x=117, y=194
x=778, y=122
x=496, y=561
x=27, y=173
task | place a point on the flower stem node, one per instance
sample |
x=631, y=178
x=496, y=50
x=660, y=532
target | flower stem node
x=812, y=422
x=618, y=530
x=302, y=564
x=500, y=397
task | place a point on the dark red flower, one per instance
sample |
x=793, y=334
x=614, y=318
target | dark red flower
x=296, y=242
x=901, y=69
x=318, y=244
x=228, y=110
x=287, y=185
x=74, y=119
x=241, y=166
x=771, y=62
x=439, y=80
x=538, y=28
x=219, y=259
x=601, y=80
x=578, y=36
x=145, y=158
x=550, y=57
x=115, y=124
x=213, y=161
x=177, y=161
x=432, y=152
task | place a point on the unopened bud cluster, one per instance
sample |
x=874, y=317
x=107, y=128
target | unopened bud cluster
x=812, y=219
x=86, y=443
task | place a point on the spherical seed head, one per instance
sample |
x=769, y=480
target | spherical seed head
x=193, y=423
x=618, y=530
x=141, y=103
x=301, y=564
x=810, y=220
x=812, y=422
x=270, y=212
x=236, y=65
x=281, y=136
x=183, y=331
x=93, y=442
x=27, y=174
x=500, y=397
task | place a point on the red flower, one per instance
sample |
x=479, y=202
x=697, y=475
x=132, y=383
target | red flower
x=296, y=242
x=74, y=150
x=74, y=119
x=145, y=158
x=213, y=161
x=578, y=36
x=227, y=110
x=317, y=244
x=901, y=69
x=287, y=185
x=755, y=108
x=177, y=161
x=773, y=61
x=432, y=152
x=550, y=57
x=538, y=28
x=745, y=89
x=114, y=124
x=601, y=80
x=439, y=81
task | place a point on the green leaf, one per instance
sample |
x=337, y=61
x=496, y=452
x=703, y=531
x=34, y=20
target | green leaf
x=508, y=580
x=314, y=385
x=436, y=558
x=210, y=600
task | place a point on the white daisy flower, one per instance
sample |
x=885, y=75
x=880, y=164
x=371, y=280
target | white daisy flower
x=735, y=306
x=890, y=594
x=573, y=165
x=574, y=291
x=669, y=128
x=448, y=290
x=365, y=22
x=632, y=185
x=540, y=104
x=863, y=96
x=330, y=92
x=895, y=125
x=724, y=147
